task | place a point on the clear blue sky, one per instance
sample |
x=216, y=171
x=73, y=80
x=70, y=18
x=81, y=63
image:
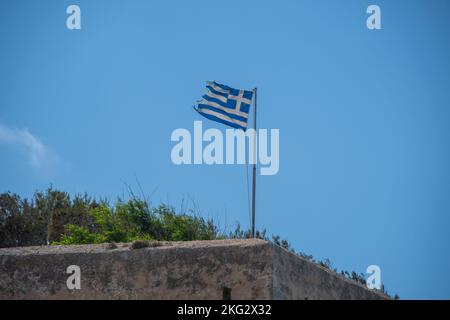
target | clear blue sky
x=364, y=117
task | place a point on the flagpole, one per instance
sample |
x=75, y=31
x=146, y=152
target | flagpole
x=254, y=167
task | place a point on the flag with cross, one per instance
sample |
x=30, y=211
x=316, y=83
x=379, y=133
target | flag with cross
x=231, y=106
x=226, y=105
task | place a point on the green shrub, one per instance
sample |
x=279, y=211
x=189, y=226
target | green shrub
x=80, y=235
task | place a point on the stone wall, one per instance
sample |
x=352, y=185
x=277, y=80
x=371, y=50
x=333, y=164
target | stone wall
x=242, y=269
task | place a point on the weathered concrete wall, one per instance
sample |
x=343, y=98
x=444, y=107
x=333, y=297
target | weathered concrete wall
x=299, y=279
x=252, y=269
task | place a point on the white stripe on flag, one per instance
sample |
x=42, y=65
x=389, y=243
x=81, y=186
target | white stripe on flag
x=222, y=116
x=217, y=88
x=218, y=97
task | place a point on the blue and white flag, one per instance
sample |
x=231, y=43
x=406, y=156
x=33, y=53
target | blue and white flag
x=225, y=104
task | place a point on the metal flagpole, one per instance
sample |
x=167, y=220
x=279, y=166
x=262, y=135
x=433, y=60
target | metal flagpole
x=254, y=167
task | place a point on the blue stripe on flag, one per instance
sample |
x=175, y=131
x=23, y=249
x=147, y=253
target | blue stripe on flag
x=208, y=98
x=231, y=124
x=217, y=92
x=222, y=86
x=232, y=116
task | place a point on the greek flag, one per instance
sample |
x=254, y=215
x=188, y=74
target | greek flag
x=225, y=104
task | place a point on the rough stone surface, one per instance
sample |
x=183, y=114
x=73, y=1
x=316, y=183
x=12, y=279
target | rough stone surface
x=245, y=269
